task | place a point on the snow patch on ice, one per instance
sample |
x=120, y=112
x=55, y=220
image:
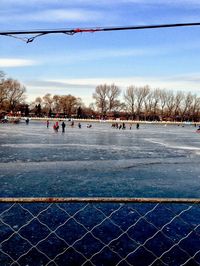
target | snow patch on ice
x=168, y=145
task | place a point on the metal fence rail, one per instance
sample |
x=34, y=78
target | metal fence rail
x=99, y=231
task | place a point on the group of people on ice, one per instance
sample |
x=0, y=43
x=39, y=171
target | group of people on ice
x=56, y=126
x=123, y=126
x=114, y=125
x=63, y=125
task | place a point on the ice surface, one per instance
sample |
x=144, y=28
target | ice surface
x=154, y=161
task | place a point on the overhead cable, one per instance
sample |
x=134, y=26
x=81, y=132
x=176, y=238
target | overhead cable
x=38, y=33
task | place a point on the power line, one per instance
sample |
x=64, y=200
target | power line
x=37, y=33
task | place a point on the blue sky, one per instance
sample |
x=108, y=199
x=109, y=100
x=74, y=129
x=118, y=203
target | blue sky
x=61, y=64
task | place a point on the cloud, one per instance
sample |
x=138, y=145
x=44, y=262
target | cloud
x=180, y=82
x=192, y=78
x=161, y=2
x=55, y=84
x=99, y=54
x=15, y=62
x=104, y=11
x=56, y=15
x=102, y=2
x=84, y=87
x=38, y=88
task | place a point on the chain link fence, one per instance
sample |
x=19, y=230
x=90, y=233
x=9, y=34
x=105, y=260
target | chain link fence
x=99, y=231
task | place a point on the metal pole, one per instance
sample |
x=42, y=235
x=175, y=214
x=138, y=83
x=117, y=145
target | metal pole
x=98, y=200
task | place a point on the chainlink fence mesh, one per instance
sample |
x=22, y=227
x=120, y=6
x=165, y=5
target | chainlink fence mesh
x=99, y=232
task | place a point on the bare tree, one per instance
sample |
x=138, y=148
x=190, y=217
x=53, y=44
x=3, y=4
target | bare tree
x=179, y=97
x=156, y=97
x=112, y=94
x=170, y=103
x=163, y=101
x=3, y=92
x=141, y=93
x=151, y=103
x=79, y=102
x=187, y=103
x=15, y=93
x=148, y=104
x=3, y=89
x=56, y=103
x=195, y=108
x=2, y=75
x=100, y=98
x=68, y=104
x=48, y=101
x=38, y=100
x=130, y=98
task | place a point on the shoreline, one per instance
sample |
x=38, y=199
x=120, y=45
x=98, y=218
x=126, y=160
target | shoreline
x=105, y=121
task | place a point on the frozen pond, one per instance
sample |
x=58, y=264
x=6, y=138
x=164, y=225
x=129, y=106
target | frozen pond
x=154, y=161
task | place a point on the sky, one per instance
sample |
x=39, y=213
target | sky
x=62, y=64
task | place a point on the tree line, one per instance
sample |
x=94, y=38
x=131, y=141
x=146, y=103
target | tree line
x=135, y=103
x=12, y=93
